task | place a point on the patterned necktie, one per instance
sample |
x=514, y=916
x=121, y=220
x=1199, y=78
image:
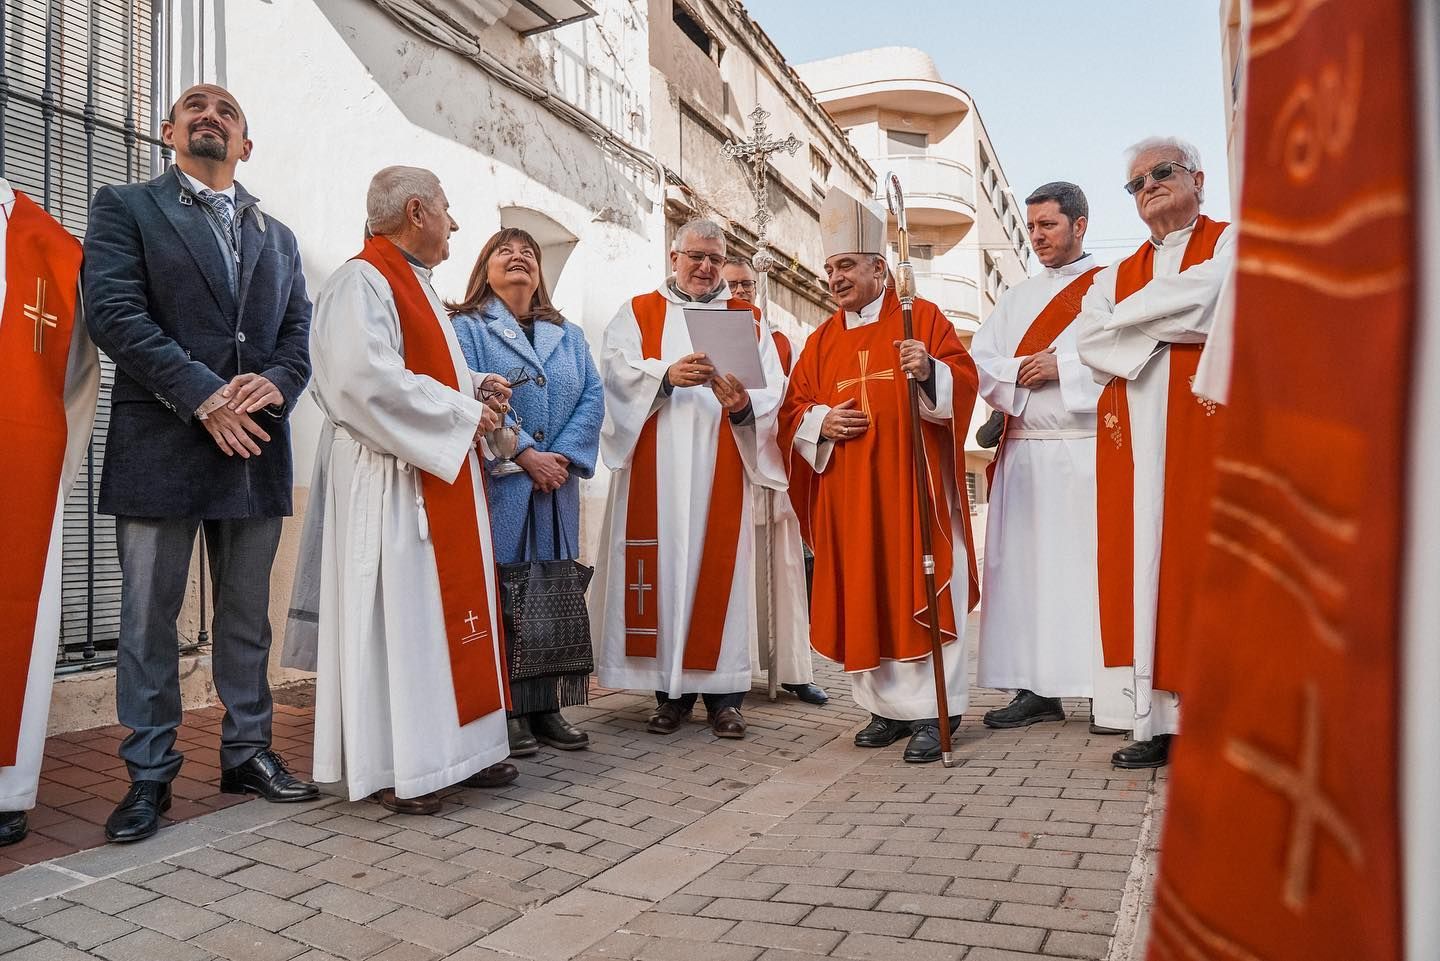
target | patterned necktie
x=223, y=206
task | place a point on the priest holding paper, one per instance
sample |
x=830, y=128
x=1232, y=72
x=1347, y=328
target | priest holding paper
x=49, y=380
x=1040, y=626
x=395, y=601
x=672, y=605
x=845, y=431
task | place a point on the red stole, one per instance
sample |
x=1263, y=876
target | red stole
x=1050, y=323
x=860, y=516
x=1186, y=428
x=1283, y=839
x=42, y=267
x=642, y=527
x=451, y=507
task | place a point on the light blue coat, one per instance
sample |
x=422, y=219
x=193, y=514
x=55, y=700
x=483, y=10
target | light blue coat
x=563, y=415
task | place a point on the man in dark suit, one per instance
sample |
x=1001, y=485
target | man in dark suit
x=199, y=299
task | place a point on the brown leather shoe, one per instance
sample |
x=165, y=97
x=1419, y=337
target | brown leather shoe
x=424, y=804
x=727, y=722
x=496, y=775
x=667, y=718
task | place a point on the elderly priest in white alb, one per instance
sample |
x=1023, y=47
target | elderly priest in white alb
x=49, y=379
x=673, y=602
x=1142, y=327
x=397, y=571
x=1040, y=625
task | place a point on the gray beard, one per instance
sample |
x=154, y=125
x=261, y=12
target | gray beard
x=209, y=149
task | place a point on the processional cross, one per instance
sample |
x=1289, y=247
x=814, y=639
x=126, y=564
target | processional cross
x=755, y=154
x=36, y=312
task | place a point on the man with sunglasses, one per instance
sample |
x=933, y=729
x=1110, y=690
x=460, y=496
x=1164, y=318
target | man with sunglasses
x=1142, y=328
x=794, y=667
x=673, y=604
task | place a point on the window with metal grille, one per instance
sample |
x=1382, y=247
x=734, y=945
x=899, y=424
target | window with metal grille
x=77, y=95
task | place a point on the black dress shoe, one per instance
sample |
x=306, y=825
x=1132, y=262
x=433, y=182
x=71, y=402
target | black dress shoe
x=1027, y=708
x=522, y=739
x=667, y=718
x=14, y=825
x=424, y=804
x=137, y=816
x=551, y=728
x=1106, y=731
x=496, y=775
x=809, y=693
x=1143, y=754
x=881, y=732
x=728, y=722
x=265, y=774
x=924, y=745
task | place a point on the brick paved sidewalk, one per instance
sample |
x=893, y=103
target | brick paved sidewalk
x=787, y=846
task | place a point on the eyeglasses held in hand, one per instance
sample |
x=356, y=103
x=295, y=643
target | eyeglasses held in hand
x=513, y=379
x=1159, y=172
x=696, y=257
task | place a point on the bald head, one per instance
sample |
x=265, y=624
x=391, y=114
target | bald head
x=210, y=90
x=209, y=134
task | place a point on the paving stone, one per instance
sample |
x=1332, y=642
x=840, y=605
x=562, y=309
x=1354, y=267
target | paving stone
x=566, y=926
x=350, y=874
x=1072, y=944
x=981, y=934
x=738, y=910
x=664, y=949
x=445, y=935
x=13, y=936
x=826, y=896
x=1062, y=919
x=862, y=922
x=344, y=939
x=346, y=903
x=145, y=945
x=262, y=910
x=784, y=936
x=175, y=918
x=81, y=927
x=422, y=894
x=239, y=941
x=486, y=916
x=684, y=927
x=1104, y=880
x=870, y=947
x=656, y=873
x=281, y=854
x=46, y=950
x=110, y=896
x=193, y=887
x=423, y=867
x=933, y=906
x=406, y=952
x=211, y=861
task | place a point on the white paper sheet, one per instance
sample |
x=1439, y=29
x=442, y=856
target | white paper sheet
x=727, y=337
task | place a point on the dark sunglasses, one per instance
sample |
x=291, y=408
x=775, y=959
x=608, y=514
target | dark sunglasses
x=1157, y=173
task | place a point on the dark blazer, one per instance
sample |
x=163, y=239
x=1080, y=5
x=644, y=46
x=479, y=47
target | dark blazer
x=158, y=301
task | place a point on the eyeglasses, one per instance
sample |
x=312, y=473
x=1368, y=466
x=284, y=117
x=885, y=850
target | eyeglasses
x=516, y=377
x=1159, y=172
x=697, y=257
x=743, y=285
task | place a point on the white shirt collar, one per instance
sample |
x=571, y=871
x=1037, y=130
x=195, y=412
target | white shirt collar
x=1073, y=269
x=197, y=186
x=868, y=314
x=1176, y=237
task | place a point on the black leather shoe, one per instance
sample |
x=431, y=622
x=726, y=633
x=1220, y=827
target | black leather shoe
x=1105, y=731
x=667, y=718
x=496, y=775
x=551, y=728
x=924, y=745
x=265, y=774
x=728, y=722
x=809, y=693
x=137, y=816
x=1027, y=708
x=881, y=732
x=14, y=825
x=522, y=739
x=1143, y=754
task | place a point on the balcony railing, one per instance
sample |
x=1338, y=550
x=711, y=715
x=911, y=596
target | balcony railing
x=924, y=175
x=952, y=293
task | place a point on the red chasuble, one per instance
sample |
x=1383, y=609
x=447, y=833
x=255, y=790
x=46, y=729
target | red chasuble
x=860, y=516
x=42, y=267
x=1189, y=442
x=1282, y=838
x=451, y=507
x=642, y=525
x=1050, y=323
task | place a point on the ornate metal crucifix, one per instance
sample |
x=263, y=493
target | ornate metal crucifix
x=755, y=154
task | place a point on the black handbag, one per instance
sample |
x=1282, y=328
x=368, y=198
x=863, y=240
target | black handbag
x=547, y=626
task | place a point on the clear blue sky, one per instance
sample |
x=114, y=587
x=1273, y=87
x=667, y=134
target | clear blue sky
x=1064, y=86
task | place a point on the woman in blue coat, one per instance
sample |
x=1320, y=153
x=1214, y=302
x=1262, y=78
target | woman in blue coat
x=506, y=324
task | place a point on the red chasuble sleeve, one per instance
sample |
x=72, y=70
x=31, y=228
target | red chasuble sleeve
x=1282, y=833
x=860, y=516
